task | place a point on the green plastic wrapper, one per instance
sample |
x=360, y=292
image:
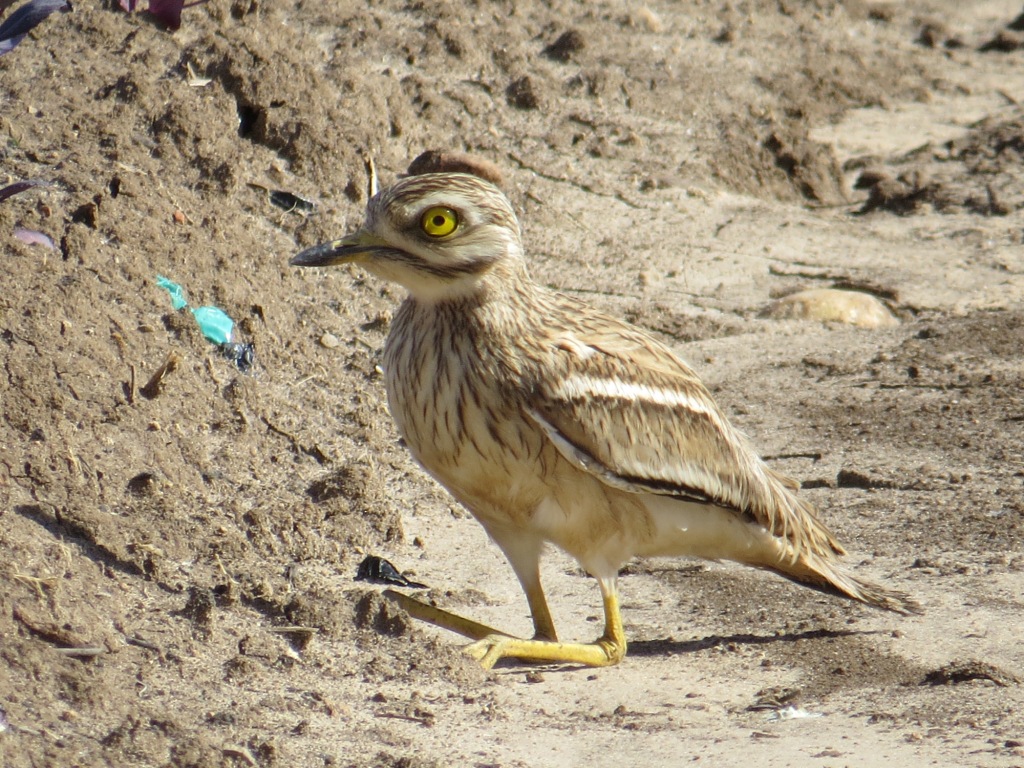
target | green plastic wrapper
x=214, y=323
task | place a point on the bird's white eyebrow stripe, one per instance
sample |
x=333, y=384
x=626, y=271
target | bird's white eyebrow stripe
x=577, y=386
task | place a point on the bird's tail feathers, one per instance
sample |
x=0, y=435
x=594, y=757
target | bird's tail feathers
x=830, y=577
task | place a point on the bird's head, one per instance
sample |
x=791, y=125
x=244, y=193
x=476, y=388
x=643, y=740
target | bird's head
x=439, y=234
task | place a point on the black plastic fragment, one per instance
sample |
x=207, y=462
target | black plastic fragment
x=377, y=570
x=291, y=202
x=242, y=355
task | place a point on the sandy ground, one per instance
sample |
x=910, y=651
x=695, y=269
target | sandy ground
x=178, y=559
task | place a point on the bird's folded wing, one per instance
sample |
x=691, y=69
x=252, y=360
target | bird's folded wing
x=630, y=412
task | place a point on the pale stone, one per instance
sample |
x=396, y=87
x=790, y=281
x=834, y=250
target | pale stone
x=833, y=305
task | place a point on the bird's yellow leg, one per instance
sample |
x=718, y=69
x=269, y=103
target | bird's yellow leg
x=606, y=651
x=543, y=625
x=442, y=618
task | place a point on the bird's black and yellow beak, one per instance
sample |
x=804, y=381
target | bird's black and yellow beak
x=350, y=249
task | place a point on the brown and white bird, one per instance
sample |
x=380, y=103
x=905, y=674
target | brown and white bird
x=553, y=422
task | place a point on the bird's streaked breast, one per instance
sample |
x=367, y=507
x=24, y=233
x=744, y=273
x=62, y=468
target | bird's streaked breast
x=442, y=384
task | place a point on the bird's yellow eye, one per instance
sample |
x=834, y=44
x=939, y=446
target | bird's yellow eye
x=439, y=221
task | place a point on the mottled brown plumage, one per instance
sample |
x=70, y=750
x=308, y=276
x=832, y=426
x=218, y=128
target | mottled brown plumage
x=553, y=422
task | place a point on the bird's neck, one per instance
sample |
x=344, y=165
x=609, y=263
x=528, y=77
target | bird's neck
x=500, y=309
x=506, y=280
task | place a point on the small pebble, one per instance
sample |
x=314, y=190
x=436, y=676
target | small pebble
x=329, y=340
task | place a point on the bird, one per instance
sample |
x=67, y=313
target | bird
x=553, y=422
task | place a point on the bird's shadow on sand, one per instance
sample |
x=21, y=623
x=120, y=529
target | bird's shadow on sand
x=664, y=648
x=670, y=647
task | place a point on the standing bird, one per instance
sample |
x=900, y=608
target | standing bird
x=553, y=422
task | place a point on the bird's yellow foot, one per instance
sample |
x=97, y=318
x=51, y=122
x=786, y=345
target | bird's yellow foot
x=492, y=645
x=604, y=652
